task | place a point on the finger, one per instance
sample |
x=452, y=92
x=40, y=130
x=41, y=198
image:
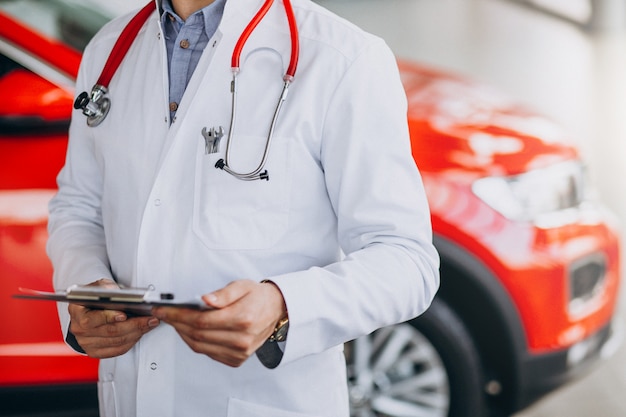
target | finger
x=232, y=354
x=113, y=339
x=243, y=336
x=227, y=347
x=205, y=341
x=78, y=313
x=229, y=294
x=105, y=347
x=88, y=318
x=188, y=317
x=107, y=322
x=105, y=283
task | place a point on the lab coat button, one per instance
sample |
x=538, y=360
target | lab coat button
x=184, y=43
x=173, y=106
x=153, y=366
x=157, y=202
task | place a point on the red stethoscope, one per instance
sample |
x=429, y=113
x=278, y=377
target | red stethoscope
x=96, y=105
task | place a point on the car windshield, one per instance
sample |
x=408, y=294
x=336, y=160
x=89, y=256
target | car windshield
x=73, y=22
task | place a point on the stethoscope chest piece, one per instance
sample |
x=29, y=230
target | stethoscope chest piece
x=95, y=106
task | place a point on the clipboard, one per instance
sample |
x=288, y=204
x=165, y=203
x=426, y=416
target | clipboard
x=133, y=301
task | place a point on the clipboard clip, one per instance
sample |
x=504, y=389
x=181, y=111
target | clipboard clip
x=130, y=295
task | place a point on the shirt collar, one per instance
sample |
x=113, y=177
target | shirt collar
x=209, y=14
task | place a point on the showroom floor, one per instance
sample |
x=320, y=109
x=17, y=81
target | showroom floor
x=575, y=77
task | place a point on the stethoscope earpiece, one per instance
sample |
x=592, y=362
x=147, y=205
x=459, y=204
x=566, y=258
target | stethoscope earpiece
x=259, y=173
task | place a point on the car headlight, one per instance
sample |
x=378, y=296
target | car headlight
x=531, y=195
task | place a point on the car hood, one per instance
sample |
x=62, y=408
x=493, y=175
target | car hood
x=465, y=129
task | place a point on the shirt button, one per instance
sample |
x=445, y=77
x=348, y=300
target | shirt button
x=184, y=43
x=173, y=106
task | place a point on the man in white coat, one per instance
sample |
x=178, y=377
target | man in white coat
x=335, y=244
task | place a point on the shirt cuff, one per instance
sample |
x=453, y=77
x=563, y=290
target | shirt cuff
x=70, y=339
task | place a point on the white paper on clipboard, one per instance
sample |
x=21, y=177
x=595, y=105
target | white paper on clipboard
x=134, y=301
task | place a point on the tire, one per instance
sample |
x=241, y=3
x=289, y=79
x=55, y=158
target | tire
x=426, y=367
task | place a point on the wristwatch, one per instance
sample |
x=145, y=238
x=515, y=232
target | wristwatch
x=271, y=353
x=280, y=331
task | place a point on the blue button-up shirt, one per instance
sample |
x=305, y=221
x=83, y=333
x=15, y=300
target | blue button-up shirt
x=185, y=41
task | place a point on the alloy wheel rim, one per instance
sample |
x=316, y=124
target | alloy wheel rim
x=396, y=372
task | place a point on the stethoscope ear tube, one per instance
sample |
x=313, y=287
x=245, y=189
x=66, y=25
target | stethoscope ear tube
x=259, y=173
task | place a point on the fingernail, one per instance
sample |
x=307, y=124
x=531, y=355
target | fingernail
x=210, y=298
x=153, y=322
x=120, y=317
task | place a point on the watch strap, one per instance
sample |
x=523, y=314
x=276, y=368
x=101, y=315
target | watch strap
x=270, y=354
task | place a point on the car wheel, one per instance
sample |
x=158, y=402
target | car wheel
x=426, y=367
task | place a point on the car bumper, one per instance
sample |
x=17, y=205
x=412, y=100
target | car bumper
x=543, y=373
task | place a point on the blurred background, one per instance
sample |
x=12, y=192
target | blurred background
x=566, y=59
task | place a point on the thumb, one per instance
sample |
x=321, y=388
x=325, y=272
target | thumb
x=229, y=294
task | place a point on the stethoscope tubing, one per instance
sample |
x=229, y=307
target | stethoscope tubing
x=258, y=173
x=123, y=44
x=96, y=106
x=252, y=25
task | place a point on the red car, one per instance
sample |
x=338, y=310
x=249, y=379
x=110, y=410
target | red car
x=530, y=263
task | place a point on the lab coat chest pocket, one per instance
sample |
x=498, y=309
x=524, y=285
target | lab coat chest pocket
x=232, y=214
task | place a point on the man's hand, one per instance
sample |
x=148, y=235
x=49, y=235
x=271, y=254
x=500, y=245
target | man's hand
x=244, y=315
x=107, y=333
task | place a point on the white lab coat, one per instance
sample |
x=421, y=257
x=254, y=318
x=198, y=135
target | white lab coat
x=140, y=201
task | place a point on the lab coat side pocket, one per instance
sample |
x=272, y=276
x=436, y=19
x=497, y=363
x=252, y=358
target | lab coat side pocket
x=107, y=397
x=239, y=408
x=232, y=214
